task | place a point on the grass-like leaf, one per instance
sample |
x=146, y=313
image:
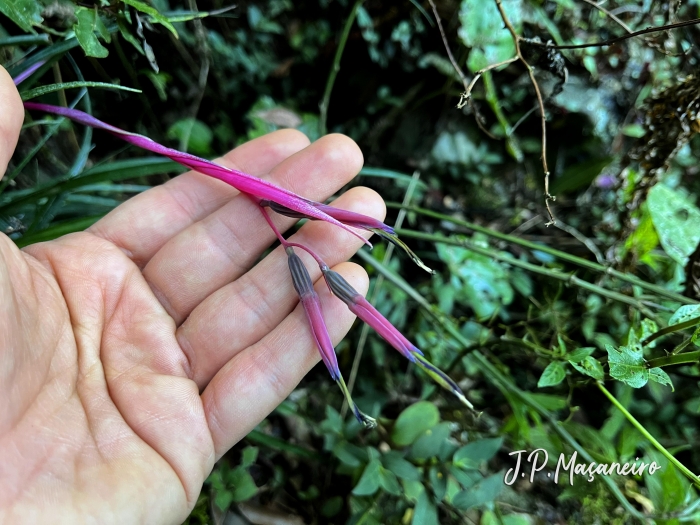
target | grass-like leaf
x=43, y=90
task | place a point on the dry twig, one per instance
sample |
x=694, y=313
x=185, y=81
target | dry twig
x=540, y=101
x=467, y=89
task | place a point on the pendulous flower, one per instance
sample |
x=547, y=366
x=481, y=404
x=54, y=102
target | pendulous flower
x=370, y=315
x=312, y=306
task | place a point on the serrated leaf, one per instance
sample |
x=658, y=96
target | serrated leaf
x=153, y=13
x=24, y=13
x=552, y=375
x=627, y=365
x=85, y=33
x=413, y=422
x=659, y=376
x=590, y=367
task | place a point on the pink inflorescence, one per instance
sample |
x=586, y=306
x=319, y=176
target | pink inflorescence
x=270, y=196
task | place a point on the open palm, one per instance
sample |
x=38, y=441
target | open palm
x=133, y=355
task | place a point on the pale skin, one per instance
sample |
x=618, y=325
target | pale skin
x=135, y=354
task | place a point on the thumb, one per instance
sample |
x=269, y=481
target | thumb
x=11, y=117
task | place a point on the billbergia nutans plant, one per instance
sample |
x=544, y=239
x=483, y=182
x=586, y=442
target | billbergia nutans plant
x=269, y=196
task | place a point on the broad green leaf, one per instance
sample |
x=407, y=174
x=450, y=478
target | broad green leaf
x=370, y=479
x=388, y=481
x=244, y=487
x=425, y=512
x=627, y=365
x=472, y=454
x=580, y=354
x=466, y=478
x=84, y=28
x=658, y=375
x=250, y=454
x=431, y=441
x=438, y=482
x=482, y=28
x=404, y=469
x=413, y=422
x=552, y=375
x=685, y=313
x=350, y=454
x=197, y=134
x=485, y=491
x=590, y=367
x=676, y=221
x=24, y=13
x=223, y=499
x=153, y=13
x=644, y=238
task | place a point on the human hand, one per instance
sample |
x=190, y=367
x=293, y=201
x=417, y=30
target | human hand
x=135, y=354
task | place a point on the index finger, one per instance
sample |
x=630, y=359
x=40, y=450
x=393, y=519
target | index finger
x=12, y=113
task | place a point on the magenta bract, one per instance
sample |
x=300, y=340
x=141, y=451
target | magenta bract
x=258, y=188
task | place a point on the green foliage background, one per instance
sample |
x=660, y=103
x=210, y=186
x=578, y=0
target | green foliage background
x=572, y=339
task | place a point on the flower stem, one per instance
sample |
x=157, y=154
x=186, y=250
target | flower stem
x=584, y=263
x=685, y=470
x=569, y=278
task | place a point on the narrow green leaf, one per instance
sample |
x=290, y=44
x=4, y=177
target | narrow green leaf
x=50, y=88
x=55, y=231
x=153, y=13
x=552, y=375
